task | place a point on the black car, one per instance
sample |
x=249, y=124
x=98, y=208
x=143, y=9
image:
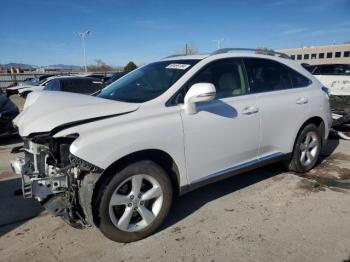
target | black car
x=115, y=77
x=8, y=111
x=75, y=84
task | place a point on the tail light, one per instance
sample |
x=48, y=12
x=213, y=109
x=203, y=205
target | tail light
x=325, y=89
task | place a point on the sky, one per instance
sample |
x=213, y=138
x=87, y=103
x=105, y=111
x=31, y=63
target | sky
x=44, y=32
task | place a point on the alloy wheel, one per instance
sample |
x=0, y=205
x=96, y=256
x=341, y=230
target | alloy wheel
x=308, y=148
x=135, y=203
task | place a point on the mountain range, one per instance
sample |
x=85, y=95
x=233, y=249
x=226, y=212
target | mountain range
x=28, y=66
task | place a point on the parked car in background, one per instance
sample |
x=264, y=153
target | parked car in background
x=118, y=159
x=8, y=111
x=75, y=84
x=114, y=77
x=24, y=90
x=13, y=88
x=336, y=77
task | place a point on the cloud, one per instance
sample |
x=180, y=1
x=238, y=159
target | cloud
x=281, y=2
x=307, y=32
x=293, y=31
x=81, y=8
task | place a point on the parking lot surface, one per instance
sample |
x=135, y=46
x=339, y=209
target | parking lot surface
x=265, y=215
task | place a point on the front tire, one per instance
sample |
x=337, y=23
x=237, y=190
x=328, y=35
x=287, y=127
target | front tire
x=135, y=202
x=306, y=149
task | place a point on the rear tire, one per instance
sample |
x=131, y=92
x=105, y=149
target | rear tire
x=306, y=150
x=135, y=202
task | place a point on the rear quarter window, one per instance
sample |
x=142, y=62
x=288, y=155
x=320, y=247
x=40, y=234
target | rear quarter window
x=298, y=80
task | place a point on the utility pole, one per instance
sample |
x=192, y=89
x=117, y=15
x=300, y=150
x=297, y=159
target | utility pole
x=219, y=42
x=83, y=35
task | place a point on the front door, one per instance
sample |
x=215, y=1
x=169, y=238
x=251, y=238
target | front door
x=223, y=135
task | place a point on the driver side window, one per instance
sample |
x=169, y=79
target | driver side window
x=226, y=75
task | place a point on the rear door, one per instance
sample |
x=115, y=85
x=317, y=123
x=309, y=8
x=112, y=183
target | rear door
x=283, y=101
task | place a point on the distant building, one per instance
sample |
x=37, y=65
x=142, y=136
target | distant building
x=314, y=55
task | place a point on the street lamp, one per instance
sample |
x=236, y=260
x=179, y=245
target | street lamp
x=83, y=35
x=219, y=42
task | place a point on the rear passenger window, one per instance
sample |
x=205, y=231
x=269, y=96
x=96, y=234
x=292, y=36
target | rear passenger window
x=69, y=85
x=91, y=86
x=82, y=85
x=267, y=75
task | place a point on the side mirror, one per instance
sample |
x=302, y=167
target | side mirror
x=199, y=92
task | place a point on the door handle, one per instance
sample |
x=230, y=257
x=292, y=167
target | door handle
x=249, y=110
x=302, y=101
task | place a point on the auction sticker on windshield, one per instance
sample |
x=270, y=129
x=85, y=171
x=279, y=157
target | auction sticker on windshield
x=178, y=66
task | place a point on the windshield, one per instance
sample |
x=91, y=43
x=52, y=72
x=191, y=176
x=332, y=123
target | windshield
x=41, y=82
x=148, y=82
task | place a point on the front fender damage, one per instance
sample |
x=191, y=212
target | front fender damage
x=60, y=181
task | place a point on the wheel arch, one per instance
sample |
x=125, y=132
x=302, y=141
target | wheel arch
x=319, y=122
x=160, y=157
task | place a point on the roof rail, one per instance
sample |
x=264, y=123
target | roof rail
x=174, y=56
x=257, y=51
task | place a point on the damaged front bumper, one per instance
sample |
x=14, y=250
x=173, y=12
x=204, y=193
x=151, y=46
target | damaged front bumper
x=60, y=181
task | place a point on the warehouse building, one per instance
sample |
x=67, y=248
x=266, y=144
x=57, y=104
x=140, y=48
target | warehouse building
x=316, y=55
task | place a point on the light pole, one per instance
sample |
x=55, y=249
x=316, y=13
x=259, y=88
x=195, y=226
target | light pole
x=219, y=42
x=83, y=35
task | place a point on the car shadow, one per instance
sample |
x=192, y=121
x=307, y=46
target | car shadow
x=219, y=108
x=14, y=209
x=328, y=149
x=9, y=140
x=189, y=203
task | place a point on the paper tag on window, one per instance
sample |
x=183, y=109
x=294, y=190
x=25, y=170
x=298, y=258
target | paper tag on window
x=178, y=66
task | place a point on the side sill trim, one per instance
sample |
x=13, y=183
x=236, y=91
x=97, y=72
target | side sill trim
x=234, y=170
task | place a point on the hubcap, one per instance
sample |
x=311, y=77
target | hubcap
x=308, y=148
x=135, y=203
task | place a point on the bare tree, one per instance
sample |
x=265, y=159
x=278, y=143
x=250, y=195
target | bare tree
x=189, y=49
x=265, y=51
x=100, y=66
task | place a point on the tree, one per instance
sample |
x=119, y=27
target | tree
x=130, y=66
x=100, y=66
x=189, y=49
x=265, y=51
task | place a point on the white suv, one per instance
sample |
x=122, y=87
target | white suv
x=117, y=160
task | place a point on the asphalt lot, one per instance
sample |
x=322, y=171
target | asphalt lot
x=264, y=215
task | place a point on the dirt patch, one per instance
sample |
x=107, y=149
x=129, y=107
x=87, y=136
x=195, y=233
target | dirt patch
x=330, y=173
x=5, y=174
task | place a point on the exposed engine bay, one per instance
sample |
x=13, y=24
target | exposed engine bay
x=54, y=177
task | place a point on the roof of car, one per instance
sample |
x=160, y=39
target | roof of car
x=185, y=57
x=80, y=77
x=230, y=52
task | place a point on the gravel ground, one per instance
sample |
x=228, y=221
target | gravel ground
x=264, y=215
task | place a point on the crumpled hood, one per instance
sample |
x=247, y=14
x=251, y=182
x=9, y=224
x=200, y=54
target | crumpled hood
x=44, y=111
